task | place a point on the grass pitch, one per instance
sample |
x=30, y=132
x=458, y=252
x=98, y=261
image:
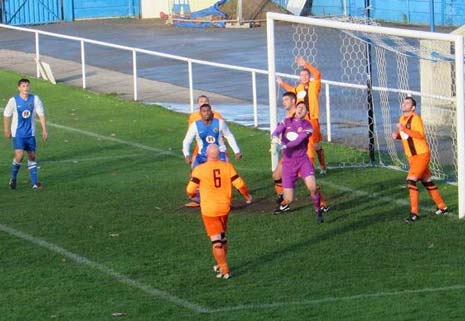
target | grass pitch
x=109, y=234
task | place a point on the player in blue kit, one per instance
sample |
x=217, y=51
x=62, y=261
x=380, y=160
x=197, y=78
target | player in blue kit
x=19, y=126
x=206, y=131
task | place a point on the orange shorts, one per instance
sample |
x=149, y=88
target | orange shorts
x=316, y=135
x=215, y=224
x=418, y=166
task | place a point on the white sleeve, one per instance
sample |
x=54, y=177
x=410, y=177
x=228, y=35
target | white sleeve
x=190, y=135
x=9, y=108
x=38, y=106
x=224, y=130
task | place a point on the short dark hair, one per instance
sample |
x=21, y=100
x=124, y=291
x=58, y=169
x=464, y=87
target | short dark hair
x=302, y=102
x=414, y=102
x=205, y=106
x=308, y=71
x=23, y=80
x=290, y=94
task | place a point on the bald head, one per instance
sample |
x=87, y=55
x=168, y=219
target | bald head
x=213, y=152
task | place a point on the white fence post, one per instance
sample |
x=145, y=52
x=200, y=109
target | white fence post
x=83, y=65
x=37, y=54
x=134, y=72
x=191, y=85
x=255, y=105
x=328, y=112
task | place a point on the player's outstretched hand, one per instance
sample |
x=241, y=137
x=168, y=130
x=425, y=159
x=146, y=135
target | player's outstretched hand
x=248, y=199
x=188, y=159
x=44, y=135
x=300, y=61
x=238, y=156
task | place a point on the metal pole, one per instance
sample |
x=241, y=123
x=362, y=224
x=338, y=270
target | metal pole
x=328, y=112
x=239, y=12
x=431, y=16
x=254, y=93
x=37, y=55
x=83, y=64
x=344, y=4
x=191, y=86
x=134, y=72
x=370, y=108
x=459, y=75
x=271, y=81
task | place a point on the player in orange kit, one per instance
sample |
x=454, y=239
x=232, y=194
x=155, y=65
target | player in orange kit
x=215, y=179
x=412, y=133
x=308, y=90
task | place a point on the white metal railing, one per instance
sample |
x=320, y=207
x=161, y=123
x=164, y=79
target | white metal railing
x=253, y=71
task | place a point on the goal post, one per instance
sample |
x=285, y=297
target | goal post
x=434, y=61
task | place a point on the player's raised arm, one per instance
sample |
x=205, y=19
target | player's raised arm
x=316, y=74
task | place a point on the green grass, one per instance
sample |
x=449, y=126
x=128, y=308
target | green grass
x=121, y=207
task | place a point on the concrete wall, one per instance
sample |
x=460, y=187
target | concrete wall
x=151, y=8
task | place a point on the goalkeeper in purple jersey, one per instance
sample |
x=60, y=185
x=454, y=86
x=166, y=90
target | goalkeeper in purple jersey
x=291, y=137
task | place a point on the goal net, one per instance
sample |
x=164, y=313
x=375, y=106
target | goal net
x=367, y=71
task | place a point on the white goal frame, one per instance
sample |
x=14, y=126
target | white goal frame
x=458, y=40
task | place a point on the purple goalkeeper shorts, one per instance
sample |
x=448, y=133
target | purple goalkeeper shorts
x=293, y=168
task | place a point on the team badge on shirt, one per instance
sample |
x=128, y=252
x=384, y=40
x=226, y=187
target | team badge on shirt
x=26, y=114
x=210, y=139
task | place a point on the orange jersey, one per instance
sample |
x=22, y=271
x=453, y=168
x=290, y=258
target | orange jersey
x=196, y=116
x=215, y=180
x=309, y=93
x=413, y=136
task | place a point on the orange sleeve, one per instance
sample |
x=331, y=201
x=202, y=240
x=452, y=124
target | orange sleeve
x=193, y=184
x=314, y=71
x=217, y=115
x=288, y=87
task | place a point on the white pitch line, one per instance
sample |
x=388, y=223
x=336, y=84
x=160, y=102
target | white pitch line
x=89, y=159
x=112, y=139
x=337, y=299
x=106, y=270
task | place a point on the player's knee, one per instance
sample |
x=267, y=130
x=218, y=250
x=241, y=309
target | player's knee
x=412, y=184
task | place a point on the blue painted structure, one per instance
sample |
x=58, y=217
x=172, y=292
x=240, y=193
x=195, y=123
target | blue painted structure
x=21, y=12
x=28, y=12
x=446, y=12
x=87, y=9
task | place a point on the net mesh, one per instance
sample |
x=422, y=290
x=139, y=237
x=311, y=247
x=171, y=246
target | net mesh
x=393, y=67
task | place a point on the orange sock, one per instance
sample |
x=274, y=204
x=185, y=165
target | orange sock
x=220, y=256
x=414, y=196
x=433, y=192
x=278, y=186
x=321, y=158
x=322, y=198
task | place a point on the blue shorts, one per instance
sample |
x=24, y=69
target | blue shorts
x=200, y=159
x=24, y=143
